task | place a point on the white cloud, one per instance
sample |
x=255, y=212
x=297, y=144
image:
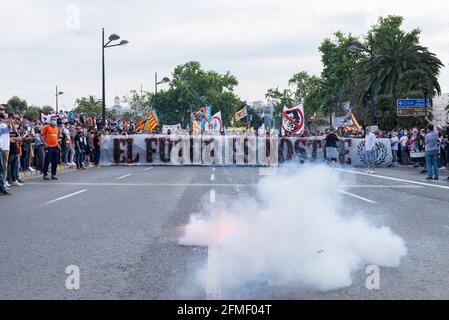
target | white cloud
x=262, y=42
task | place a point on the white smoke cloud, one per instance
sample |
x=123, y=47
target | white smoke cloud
x=295, y=231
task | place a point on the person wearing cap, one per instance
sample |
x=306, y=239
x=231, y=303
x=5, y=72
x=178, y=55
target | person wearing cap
x=49, y=135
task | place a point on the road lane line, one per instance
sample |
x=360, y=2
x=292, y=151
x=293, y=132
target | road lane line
x=65, y=197
x=395, y=179
x=212, y=196
x=378, y=186
x=212, y=177
x=213, y=291
x=144, y=184
x=213, y=169
x=148, y=169
x=122, y=177
x=356, y=196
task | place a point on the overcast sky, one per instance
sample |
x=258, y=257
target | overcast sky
x=46, y=43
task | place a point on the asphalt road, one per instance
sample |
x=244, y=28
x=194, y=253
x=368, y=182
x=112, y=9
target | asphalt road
x=119, y=225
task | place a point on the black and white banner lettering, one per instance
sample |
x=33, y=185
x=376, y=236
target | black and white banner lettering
x=147, y=149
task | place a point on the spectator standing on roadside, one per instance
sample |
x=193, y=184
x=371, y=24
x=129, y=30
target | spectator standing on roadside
x=79, y=148
x=13, y=159
x=4, y=150
x=404, y=149
x=39, y=150
x=97, y=141
x=394, y=147
x=49, y=135
x=370, y=142
x=431, y=150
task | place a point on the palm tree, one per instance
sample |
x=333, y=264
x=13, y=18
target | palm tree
x=90, y=106
x=400, y=66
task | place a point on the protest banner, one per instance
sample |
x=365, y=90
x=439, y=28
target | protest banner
x=232, y=150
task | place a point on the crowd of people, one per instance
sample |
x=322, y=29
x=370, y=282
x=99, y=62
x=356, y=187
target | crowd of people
x=75, y=140
x=426, y=148
x=27, y=146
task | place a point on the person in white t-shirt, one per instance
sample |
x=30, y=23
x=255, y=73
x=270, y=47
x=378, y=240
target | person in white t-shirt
x=370, y=143
x=4, y=143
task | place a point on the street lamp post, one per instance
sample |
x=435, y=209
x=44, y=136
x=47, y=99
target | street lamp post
x=58, y=93
x=156, y=83
x=355, y=47
x=324, y=84
x=425, y=92
x=112, y=37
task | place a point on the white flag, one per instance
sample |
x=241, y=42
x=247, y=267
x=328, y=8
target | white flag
x=293, y=120
x=216, y=123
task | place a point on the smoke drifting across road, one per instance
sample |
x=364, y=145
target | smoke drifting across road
x=295, y=231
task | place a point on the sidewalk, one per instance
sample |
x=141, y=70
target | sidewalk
x=26, y=175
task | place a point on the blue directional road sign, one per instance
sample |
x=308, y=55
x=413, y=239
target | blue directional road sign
x=411, y=107
x=412, y=103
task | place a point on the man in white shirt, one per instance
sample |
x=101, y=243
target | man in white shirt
x=370, y=142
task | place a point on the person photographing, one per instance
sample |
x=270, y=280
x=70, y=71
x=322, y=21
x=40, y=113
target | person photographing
x=49, y=136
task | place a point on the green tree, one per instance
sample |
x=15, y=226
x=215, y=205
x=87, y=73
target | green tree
x=90, y=106
x=338, y=72
x=16, y=105
x=140, y=103
x=303, y=88
x=191, y=87
x=47, y=110
x=33, y=113
x=401, y=67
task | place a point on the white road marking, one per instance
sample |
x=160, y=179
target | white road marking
x=356, y=196
x=395, y=179
x=122, y=177
x=213, y=291
x=212, y=196
x=65, y=197
x=213, y=169
x=212, y=177
x=378, y=186
x=149, y=168
x=145, y=184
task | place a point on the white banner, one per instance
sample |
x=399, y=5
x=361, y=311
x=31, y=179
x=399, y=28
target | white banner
x=149, y=149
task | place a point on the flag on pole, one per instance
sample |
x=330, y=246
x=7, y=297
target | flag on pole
x=216, y=123
x=350, y=123
x=45, y=118
x=151, y=122
x=241, y=114
x=293, y=120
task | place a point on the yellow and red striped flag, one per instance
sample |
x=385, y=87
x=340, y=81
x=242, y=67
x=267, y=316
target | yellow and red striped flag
x=151, y=122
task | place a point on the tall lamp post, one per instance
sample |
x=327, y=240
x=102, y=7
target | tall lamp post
x=324, y=84
x=156, y=83
x=356, y=46
x=425, y=92
x=58, y=93
x=112, y=37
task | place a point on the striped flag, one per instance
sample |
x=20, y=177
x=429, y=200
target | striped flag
x=241, y=114
x=151, y=122
x=350, y=123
